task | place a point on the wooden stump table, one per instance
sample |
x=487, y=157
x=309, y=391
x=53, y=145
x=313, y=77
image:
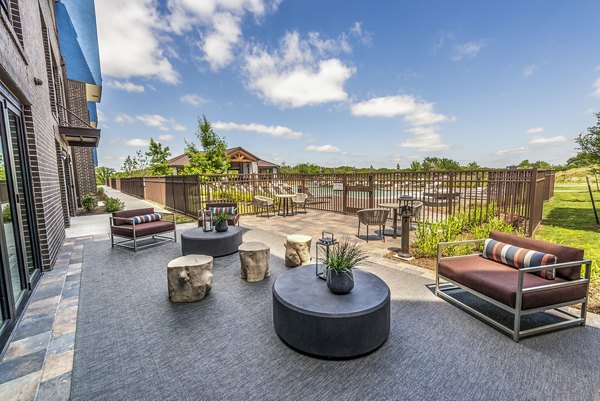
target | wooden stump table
x=297, y=250
x=189, y=278
x=254, y=260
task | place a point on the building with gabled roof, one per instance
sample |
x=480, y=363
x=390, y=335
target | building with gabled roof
x=241, y=160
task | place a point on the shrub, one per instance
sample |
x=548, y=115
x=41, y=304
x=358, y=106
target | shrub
x=113, y=205
x=101, y=194
x=6, y=215
x=89, y=202
x=456, y=228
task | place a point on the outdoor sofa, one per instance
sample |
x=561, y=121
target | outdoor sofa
x=137, y=224
x=520, y=291
x=231, y=208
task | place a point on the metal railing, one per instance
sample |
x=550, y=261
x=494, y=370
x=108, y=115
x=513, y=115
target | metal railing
x=515, y=195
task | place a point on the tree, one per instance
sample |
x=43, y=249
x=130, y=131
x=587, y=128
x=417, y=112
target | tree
x=103, y=174
x=435, y=163
x=213, y=158
x=130, y=165
x=159, y=156
x=589, y=143
x=542, y=165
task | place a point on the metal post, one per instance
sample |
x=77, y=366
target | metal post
x=406, y=213
x=587, y=178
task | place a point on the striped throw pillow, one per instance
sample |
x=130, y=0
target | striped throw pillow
x=146, y=218
x=230, y=210
x=519, y=258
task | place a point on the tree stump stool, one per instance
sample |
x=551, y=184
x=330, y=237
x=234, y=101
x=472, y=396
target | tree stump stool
x=254, y=260
x=189, y=278
x=297, y=250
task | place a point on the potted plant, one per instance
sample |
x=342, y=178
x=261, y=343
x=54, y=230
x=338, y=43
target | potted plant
x=338, y=266
x=221, y=224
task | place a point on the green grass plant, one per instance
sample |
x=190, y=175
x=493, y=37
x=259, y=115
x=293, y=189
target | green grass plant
x=569, y=220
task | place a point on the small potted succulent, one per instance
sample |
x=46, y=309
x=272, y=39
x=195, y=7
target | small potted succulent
x=221, y=222
x=338, y=266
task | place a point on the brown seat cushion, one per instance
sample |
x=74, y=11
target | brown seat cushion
x=562, y=252
x=131, y=213
x=499, y=282
x=154, y=227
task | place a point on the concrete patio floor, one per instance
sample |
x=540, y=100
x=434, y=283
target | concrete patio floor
x=39, y=361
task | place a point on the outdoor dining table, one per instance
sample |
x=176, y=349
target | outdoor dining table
x=396, y=206
x=286, y=204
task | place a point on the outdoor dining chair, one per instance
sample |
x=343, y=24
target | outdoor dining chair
x=373, y=217
x=299, y=201
x=263, y=202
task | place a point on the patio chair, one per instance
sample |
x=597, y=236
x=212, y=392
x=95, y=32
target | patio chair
x=416, y=212
x=519, y=275
x=263, y=202
x=231, y=208
x=299, y=201
x=137, y=224
x=373, y=217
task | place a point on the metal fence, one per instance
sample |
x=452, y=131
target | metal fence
x=513, y=194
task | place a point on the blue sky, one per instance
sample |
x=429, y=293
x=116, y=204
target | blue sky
x=352, y=83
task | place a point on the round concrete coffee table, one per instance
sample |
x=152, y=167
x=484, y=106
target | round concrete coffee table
x=311, y=319
x=211, y=243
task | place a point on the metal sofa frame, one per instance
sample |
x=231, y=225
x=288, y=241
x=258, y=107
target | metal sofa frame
x=516, y=333
x=131, y=242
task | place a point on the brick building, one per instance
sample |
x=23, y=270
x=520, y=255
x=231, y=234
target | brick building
x=39, y=132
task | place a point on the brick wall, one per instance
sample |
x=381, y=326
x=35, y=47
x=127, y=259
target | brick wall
x=23, y=57
x=83, y=159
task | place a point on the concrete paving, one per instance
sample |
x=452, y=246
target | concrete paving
x=98, y=225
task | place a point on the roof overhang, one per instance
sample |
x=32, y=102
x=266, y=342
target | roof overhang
x=76, y=136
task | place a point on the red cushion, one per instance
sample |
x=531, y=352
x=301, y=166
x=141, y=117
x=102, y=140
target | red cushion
x=499, y=282
x=154, y=227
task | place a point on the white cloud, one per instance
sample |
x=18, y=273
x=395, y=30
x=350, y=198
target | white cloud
x=529, y=70
x=419, y=114
x=413, y=110
x=152, y=120
x=219, y=23
x=166, y=137
x=129, y=36
x=276, y=131
x=522, y=149
x=219, y=43
x=192, y=99
x=535, y=130
x=126, y=86
x=357, y=31
x=124, y=118
x=548, y=140
x=468, y=49
x=101, y=116
x=177, y=127
x=137, y=142
x=297, y=73
x=442, y=39
x=596, y=89
x=323, y=149
x=426, y=139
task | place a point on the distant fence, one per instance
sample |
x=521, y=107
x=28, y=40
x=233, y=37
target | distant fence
x=516, y=195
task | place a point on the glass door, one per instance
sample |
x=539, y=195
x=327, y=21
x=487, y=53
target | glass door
x=10, y=228
x=19, y=250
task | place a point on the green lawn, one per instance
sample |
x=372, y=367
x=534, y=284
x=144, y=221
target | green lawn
x=569, y=219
